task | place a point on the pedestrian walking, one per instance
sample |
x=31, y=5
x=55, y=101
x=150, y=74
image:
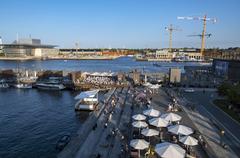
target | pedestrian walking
x=222, y=132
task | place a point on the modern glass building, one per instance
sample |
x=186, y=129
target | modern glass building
x=227, y=69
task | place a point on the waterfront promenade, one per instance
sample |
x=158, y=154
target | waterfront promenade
x=95, y=136
x=160, y=101
x=108, y=131
x=209, y=122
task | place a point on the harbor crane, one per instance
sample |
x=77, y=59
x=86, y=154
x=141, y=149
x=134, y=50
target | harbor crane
x=171, y=29
x=204, y=19
x=200, y=35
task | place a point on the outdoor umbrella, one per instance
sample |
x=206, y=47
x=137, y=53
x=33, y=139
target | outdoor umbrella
x=188, y=140
x=180, y=130
x=158, y=122
x=149, y=132
x=139, y=124
x=140, y=96
x=169, y=150
x=139, y=144
x=151, y=112
x=139, y=117
x=171, y=117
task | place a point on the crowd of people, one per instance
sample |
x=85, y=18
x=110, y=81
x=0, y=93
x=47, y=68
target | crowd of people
x=103, y=80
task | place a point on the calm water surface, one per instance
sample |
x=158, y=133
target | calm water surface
x=32, y=121
x=121, y=64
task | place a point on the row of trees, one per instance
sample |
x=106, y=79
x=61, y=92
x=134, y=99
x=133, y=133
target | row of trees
x=231, y=92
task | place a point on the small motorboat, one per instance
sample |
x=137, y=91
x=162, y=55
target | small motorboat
x=3, y=84
x=189, y=90
x=63, y=142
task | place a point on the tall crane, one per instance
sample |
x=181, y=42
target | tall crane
x=171, y=29
x=208, y=35
x=204, y=19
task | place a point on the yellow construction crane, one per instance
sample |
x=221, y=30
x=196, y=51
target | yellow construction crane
x=204, y=19
x=171, y=29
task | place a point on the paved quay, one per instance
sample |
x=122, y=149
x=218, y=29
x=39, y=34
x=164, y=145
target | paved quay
x=160, y=102
x=207, y=127
x=107, y=134
x=73, y=146
x=108, y=131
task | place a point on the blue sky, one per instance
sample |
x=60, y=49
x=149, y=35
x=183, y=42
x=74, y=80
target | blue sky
x=119, y=23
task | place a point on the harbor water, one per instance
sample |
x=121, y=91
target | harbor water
x=124, y=64
x=32, y=121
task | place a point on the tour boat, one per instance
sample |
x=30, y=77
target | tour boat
x=50, y=86
x=87, y=101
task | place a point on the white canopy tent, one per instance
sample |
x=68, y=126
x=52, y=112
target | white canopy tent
x=103, y=74
x=147, y=84
x=154, y=86
x=85, y=73
x=95, y=74
x=169, y=150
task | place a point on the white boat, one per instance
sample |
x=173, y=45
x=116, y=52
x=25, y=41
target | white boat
x=187, y=59
x=189, y=90
x=87, y=101
x=4, y=85
x=23, y=86
x=53, y=83
x=50, y=86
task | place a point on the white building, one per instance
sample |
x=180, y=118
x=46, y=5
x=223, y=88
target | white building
x=164, y=54
x=28, y=47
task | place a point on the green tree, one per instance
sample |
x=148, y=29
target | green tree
x=223, y=89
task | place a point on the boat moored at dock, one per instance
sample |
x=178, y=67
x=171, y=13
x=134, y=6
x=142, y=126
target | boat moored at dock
x=87, y=101
x=50, y=86
x=23, y=86
x=3, y=84
x=53, y=83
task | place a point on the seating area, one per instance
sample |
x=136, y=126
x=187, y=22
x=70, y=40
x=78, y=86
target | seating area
x=105, y=80
x=161, y=133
